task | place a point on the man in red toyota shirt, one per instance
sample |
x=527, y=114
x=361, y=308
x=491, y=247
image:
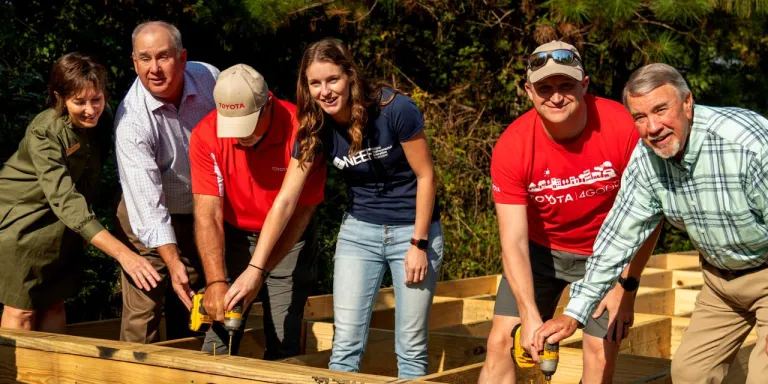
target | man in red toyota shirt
x=555, y=172
x=238, y=155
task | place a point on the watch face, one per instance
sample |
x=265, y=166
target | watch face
x=420, y=244
x=629, y=284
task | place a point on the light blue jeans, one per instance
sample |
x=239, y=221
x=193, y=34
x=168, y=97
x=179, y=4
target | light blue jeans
x=363, y=252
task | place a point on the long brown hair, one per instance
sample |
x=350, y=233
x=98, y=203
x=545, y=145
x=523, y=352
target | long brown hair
x=73, y=73
x=312, y=118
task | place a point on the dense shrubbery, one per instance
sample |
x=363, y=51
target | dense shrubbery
x=462, y=61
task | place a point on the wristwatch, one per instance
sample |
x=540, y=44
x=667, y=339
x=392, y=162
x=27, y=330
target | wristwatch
x=629, y=284
x=420, y=243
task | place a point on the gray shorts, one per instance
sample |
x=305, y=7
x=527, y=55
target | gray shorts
x=553, y=270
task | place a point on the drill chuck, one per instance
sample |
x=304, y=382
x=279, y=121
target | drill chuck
x=233, y=319
x=547, y=359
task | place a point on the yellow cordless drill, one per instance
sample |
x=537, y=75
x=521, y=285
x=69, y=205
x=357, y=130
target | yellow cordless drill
x=548, y=359
x=201, y=321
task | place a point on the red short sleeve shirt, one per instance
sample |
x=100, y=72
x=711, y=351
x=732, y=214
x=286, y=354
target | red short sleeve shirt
x=249, y=178
x=568, y=188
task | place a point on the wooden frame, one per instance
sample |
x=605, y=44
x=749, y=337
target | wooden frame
x=460, y=322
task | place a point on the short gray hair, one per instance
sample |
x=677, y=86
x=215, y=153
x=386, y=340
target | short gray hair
x=172, y=30
x=652, y=76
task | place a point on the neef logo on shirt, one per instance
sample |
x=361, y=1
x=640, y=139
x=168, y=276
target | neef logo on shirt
x=365, y=155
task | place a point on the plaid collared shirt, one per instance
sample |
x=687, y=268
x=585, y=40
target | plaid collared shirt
x=152, y=146
x=718, y=194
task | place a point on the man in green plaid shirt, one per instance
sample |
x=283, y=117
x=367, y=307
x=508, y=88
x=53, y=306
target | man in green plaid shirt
x=706, y=170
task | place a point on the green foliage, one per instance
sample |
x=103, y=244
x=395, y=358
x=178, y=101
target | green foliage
x=684, y=11
x=463, y=61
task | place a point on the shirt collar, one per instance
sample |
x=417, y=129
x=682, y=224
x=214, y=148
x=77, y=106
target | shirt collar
x=278, y=132
x=189, y=88
x=697, y=136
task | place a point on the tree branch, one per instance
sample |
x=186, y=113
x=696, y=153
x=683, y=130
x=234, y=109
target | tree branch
x=313, y=5
x=366, y=14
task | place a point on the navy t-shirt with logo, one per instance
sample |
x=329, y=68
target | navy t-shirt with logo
x=380, y=182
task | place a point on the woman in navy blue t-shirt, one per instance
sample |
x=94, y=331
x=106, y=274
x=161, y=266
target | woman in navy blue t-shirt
x=375, y=137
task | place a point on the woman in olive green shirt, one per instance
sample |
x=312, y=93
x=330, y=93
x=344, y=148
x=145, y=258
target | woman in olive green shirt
x=45, y=190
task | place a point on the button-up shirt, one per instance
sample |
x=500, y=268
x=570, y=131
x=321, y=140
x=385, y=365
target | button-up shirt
x=152, y=146
x=717, y=193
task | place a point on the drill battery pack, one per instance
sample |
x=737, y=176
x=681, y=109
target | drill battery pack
x=199, y=319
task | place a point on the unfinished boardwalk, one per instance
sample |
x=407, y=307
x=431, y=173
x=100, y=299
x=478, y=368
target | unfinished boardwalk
x=460, y=323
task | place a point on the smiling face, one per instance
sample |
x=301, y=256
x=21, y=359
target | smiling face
x=663, y=120
x=159, y=66
x=557, y=98
x=329, y=88
x=85, y=107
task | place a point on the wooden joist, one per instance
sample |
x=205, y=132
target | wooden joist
x=40, y=357
x=460, y=321
x=678, y=260
x=445, y=351
x=630, y=369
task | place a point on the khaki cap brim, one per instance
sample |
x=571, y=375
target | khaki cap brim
x=236, y=127
x=552, y=69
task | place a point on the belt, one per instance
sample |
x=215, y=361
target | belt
x=732, y=274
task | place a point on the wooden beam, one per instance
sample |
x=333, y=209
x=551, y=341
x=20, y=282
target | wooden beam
x=319, y=336
x=687, y=279
x=445, y=311
x=473, y=286
x=480, y=328
x=321, y=307
x=445, y=351
x=656, y=278
x=678, y=260
x=685, y=300
x=102, y=329
x=39, y=357
x=650, y=336
x=629, y=369
x=252, y=344
x=655, y=301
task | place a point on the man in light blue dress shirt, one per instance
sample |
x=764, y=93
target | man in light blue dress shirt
x=152, y=128
x=706, y=170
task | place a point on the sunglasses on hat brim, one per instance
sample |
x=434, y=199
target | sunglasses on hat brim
x=559, y=56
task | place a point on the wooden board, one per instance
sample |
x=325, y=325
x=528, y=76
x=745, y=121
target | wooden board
x=103, y=329
x=474, y=286
x=678, y=260
x=650, y=336
x=321, y=307
x=630, y=369
x=461, y=319
x=252, y=344
x=39, y=357
x=445, y=351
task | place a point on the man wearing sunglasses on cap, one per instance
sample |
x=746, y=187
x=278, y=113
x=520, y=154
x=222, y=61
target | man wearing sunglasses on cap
x=555, y=172
x=239, y=154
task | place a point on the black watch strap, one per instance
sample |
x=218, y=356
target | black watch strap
x=420, y=243
x=630, y=284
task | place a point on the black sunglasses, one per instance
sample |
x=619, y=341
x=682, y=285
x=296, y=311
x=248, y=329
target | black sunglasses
x=560, y=56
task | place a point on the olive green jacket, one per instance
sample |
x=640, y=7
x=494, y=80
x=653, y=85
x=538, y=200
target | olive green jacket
x=56, y=168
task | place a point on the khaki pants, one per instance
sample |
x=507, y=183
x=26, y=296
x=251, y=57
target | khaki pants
x=728, y=307
x=143, y=310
